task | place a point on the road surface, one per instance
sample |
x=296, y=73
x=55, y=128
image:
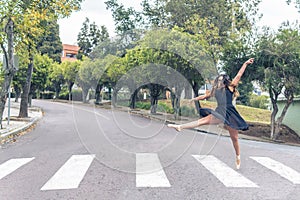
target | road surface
x=81, y=152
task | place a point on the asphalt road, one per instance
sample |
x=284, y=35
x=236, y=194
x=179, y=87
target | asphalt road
x=81, y=152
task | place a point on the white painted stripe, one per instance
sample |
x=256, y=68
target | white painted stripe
x=228, y=176
x=70, y=174
x=281, y=169
x=13, y=164
x=149, y=172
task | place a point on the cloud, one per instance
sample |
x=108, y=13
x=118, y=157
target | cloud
x=274, y=13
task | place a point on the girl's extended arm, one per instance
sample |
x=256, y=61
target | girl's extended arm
x=202, y=97
x=237, y=78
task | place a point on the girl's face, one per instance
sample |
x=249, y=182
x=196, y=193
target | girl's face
x=220, y=81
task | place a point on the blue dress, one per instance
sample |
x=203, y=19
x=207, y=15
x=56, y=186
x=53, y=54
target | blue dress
x=225, y=110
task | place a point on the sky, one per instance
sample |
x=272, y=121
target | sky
x=274, y=13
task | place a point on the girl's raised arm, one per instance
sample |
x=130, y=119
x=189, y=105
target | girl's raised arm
x=237, y=78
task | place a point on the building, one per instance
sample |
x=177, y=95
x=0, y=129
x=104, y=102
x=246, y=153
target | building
x=70, y=52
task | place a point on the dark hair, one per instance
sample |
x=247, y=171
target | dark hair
x=226, y=83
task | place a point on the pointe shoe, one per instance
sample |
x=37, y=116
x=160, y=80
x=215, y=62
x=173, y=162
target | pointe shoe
x=238, y=161
x=177, y=127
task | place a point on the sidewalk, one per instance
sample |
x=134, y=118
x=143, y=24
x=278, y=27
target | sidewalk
x=17, y=125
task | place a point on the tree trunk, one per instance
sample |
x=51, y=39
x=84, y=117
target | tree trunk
x=196, y=93
x=188, y=92
x=177, y=110
x=155, y=91
x=18, y=93
x=273, y=97
x=85, y=92
x=281, y=117
x=109, y=93
x=273, y=116
x=30, y=100
x=114, y=98
x=154, y=102
x=57, y=90
x=26, y=88
x=133, y=99
x=10, y=70
x=98, y=93
x=70, y=85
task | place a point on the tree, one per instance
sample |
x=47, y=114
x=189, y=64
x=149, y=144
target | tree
x=182, y=52
x=279, y=55
x=42, y=65
x=40, y=73
x=21, y=23
x=296, y=2
x=126, y=19
x=49, y=43
x=69, y=72
x=89, y=37
x=91, y=75
x=55, y=79
x=109, y=47
x=155, y=13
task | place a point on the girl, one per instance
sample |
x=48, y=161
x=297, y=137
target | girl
x=224, y=90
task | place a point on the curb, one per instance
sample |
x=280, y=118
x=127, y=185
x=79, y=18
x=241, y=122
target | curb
x=5, y=136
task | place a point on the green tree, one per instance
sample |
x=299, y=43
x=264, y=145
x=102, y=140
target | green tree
x=42, y=65
x=93, y=74
x=40, y=75
x=89, y=37
x=115, y=47
x=49, y=43
x=55, y=79
x=69, y=72
x=155, y=14
x=185, y=54
x=126, y=19
x=21, y=24
x=85, y=78
x=296, y=2
x=279, y=55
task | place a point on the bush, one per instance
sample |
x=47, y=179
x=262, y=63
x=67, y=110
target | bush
x=76, y=95
x=143, y=105
x=259, y=101
x=47, y=95
x=188, y=111
x=163, y=107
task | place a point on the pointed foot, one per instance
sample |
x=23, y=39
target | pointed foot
x=238, y=162
x=177, y=127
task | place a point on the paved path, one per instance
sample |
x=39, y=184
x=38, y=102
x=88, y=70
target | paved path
x=16, y=125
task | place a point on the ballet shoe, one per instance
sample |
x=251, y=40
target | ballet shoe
x=177, y=127
x=238, y=161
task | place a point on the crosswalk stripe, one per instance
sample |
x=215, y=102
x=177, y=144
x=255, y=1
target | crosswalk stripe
x=12, y=165
x=70, y=174
x=228, y=176
x=279, y=168
x=149, y=172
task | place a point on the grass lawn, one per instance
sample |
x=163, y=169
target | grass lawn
x=250, y=114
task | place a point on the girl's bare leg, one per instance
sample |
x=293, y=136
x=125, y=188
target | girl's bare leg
x=203, y=121
x=234, y=138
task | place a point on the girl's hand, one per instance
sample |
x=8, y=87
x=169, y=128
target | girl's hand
x=191, y=100
x=250, y=61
